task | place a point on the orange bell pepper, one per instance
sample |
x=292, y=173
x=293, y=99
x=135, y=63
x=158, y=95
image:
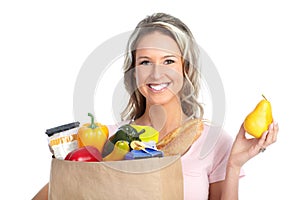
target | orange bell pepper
x=92, y=134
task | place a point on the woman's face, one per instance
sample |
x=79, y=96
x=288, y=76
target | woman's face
x=158, y=69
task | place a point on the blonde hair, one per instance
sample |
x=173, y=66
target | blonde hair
x=176, y=29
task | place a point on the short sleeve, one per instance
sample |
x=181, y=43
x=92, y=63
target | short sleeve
x=221, y=154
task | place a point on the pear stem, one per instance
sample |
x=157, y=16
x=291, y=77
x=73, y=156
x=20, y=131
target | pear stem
x=264, y=97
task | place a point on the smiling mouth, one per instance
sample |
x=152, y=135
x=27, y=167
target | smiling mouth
x=158, y=87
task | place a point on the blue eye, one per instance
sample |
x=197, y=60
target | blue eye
x=145, y=62
x=168, y=62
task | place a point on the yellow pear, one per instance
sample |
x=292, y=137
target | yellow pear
x=258, y=121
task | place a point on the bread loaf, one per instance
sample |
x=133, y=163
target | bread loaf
x=178, y=141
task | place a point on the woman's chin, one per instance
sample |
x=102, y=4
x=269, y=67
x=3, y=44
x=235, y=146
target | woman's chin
x=162, y=99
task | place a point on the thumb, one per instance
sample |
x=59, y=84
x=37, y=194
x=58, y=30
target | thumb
x=241, y=133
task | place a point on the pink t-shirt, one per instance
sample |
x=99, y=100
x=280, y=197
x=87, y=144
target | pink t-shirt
x=204, y=163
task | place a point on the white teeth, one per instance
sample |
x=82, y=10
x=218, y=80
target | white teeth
x=158, y=87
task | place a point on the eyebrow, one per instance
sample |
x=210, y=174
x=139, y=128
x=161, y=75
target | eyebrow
x=166, y=56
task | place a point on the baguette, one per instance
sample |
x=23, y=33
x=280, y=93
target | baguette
x=178, y=141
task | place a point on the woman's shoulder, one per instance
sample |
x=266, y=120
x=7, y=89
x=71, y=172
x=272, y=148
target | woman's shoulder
x=216, y=133
x=213, y=139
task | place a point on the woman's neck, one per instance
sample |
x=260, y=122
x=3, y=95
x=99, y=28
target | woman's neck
x=163, y=118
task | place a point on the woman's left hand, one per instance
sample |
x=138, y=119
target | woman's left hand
x=244, y=149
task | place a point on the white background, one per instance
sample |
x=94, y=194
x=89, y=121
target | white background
x=255, y=46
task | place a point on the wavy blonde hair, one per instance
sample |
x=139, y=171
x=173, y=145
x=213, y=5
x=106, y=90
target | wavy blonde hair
x=176, y=29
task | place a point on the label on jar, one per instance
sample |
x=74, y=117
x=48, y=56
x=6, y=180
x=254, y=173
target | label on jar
x=63, y=142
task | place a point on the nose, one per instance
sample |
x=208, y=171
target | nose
x=156, y=72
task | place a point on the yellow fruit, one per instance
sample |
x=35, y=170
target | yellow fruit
x=150, y=133
x=121, y=148
x=258, y=121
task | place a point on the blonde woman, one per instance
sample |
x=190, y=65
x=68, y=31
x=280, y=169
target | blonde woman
x=162, y=76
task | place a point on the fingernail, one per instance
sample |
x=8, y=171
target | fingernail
x=265, y=133
x=271, y=126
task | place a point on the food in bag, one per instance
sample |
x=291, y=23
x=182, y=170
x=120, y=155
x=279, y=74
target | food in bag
x=85, y=154
x=63, y=139
x=92, y=134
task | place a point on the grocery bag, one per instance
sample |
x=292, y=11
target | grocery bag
x=152, y=178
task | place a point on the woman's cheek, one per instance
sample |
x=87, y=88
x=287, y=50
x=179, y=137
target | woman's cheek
x=177, y=79
x=140, y=77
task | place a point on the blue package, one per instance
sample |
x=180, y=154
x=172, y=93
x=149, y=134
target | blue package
x=139, y=154
x=154, y=153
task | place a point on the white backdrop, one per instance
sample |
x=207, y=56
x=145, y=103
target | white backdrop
x=254, y=45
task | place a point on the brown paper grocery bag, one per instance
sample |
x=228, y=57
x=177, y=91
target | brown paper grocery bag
x=152, y=178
